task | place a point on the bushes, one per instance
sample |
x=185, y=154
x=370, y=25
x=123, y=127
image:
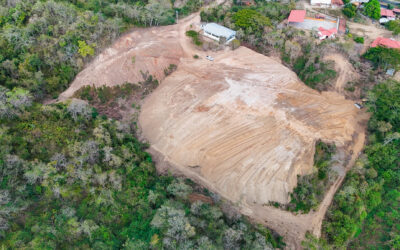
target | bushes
x=310, y=189
x=359, y=39
x=382, y=57
x=195, y=37
x=349, y=10
x=250, y=20
x=394, y=26
x=366, y=208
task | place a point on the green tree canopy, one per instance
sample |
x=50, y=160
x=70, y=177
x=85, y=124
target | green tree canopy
x=250, y=19
x=383, y=57
x=373, y=9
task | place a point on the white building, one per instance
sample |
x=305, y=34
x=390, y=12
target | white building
x=216, y=31
x=321, y=2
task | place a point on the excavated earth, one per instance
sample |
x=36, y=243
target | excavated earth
x=242, y=125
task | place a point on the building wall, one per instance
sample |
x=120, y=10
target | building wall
x=320, y=2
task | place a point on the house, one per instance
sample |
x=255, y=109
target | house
x=358, y=2
x=388, y=14
x=386, y=42
x=325, y=33
x=342, y=26
x=216, y=32
x=396, y=11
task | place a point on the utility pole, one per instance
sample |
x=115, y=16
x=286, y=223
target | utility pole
x=177, y=15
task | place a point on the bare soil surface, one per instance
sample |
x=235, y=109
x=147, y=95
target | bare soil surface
x=345, y=70
x=243, y=125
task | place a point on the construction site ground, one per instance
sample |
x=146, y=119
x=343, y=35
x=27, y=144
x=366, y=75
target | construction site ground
x=205, y=118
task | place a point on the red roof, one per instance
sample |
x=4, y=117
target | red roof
x=386, y=12
x=386, y=42
x=297, y=16
x=342, y=25
x=396, y=10
x=325, y=32
x=337, y=2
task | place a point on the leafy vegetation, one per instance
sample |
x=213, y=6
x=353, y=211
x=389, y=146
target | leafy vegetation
x=382, y=57
x=250, y=20
x=359, y=39
x=394, y=25
x=44, y=44
x=310, y=189
x=349, y=10
x=195, y=37
x=365, y=211
x=373, y=9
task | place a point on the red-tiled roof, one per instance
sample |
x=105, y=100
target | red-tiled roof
x=386, y=42
x=337, y=2
x=396, y=10
x=325, y=32
x=297, y=16
x=386, y=12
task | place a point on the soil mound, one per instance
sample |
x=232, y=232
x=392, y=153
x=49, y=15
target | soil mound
x=246, y=122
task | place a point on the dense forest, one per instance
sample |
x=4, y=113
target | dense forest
x=71, y=178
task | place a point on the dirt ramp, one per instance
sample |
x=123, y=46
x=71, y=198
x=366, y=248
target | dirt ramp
x=144, y=50
x=243, y=124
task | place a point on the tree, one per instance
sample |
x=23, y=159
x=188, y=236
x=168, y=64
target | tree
x=349, y=10
x=382, y=57
x=394, y=25
x=373, y=9
x=249, y=19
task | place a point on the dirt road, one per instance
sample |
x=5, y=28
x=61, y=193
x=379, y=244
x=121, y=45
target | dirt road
x=344, y=69
x=244, y=119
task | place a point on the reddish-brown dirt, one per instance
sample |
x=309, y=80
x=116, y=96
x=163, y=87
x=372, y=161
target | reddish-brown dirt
x=245, y=120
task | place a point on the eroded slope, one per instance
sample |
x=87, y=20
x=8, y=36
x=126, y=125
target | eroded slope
x=244, y=124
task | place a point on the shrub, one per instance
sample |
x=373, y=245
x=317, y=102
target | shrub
x=250, y=20
x=394, y=26
x=195, y=37
x=196, y=57
x=382, y=57
x=349, y=10
x=359, y=39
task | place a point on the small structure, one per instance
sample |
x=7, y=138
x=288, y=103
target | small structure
x=396, y=11
x=324, y=33
x=386, y=42
x=216, y=32
x=390, y=72
x=388, y=14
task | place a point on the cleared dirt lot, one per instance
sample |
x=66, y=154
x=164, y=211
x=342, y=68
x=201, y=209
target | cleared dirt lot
x=243, y=126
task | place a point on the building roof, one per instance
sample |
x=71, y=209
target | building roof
x=396, y=10
x=219, y=30
x=297, y=16
x=325, y=32
x=337, y=2
x=386, y=42
x=386, y=12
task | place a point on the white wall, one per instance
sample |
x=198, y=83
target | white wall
x=322, y=2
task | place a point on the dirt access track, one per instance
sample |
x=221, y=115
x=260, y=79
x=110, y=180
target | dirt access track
x=243, y=125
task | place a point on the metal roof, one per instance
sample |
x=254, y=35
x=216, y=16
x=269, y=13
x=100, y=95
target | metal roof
x=297, y=16
x=219, y=30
